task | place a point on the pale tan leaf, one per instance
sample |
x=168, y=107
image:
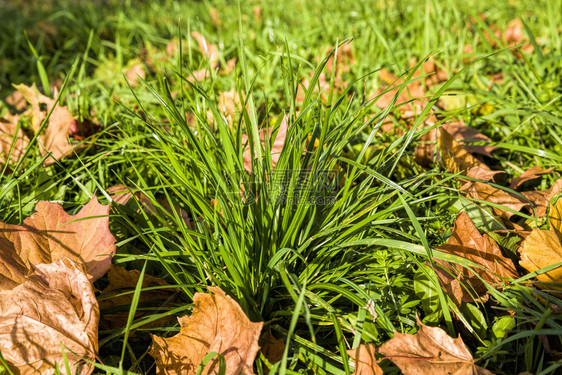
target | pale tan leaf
x=430, y=351
x=8, y=127
x=541, y=198
x=54, y=305
x=482, y=173
x=208, y=50
x=365, y=360
x=51, y=234
x=55, y=136
x=217, y=324
x=467, y=242
x=16, y=100
x=266, y=135
x=135, y=72
x=230, y=103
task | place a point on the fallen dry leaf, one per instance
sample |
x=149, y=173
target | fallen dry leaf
x=68, y=313
x=121, y=194
x=8, y=127
x=257, y=13
x=266, y=135
x=215, y=18
x=17, y=100
x=119, y=293
x=466, y=135
x=543, y=248
x=217, y=324
x=528, y=175
x=230, y=102
x=541, y=199
x=344, y=58
x=430, y=351
x=454, y=156
x=486, y=192
x=55, y=136
x=135, y=72
x=272, y=347
x=211, y=54
x=51, y=234
x=365, y=360
x=461, y=284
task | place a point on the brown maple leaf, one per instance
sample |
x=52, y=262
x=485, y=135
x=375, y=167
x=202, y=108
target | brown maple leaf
x=55, y=305
x=51, y=234
x=542, y=248
x=462, y=284
x=430, y=351
x=365, y=360
x=118, y=296
x=266, y=135
x=217, y=324
x=54, y=140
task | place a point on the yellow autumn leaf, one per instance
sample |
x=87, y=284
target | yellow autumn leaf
x=543, y=248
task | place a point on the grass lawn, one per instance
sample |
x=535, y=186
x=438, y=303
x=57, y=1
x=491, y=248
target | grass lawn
x=329, y=165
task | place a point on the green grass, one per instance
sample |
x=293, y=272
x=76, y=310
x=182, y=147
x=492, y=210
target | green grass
x=308, y=270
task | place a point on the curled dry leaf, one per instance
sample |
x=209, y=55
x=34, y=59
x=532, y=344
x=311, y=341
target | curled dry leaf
x=543, y=248
x=266, y=135
x=365, y=360
x=541, y=199
x=466, y=135
x=55, y=137
x=50, y=234
x=217, y=324
x=32, y=333
x=118, y=296
x=530, y=174
x=430, y=351
x=467, y=242
x=17, y=100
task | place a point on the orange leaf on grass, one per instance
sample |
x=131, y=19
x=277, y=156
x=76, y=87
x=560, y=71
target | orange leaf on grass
x=55, y=305
x=365, y=360
x=466, y=135
x=50, y=234
x=462, y=284
x=430, y=351
x=543, y=248
x=217, y=324
x=211, y=53
x=541, y=198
